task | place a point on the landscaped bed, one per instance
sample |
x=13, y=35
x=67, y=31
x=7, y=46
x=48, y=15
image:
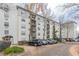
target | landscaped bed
x=13, y=50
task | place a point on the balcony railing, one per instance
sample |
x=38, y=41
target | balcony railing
x=33, y=35
x=33, y=23
x=33, y=29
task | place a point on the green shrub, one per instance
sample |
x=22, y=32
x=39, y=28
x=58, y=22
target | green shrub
x=13, y=50
x=58, y=40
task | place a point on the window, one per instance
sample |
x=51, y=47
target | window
x=29, y=17
x=6, y=15
x=47, y=32
x=38, y=18
x=38, y=34
x=23, y=20
x=6, y=9
x=6, y=31
x=43, y=29
x=6, y=24
x=47, y=36
x=21, y=12
x=38, y=28
x=23, y=33
x=23, y=27
x=6, y=19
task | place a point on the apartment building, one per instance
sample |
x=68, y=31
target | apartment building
x=69, y=30
x=13, y=22
x=24, y=25
x=20, y=23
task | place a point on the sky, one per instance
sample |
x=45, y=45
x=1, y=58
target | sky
x=71, y=13
x=53, y=5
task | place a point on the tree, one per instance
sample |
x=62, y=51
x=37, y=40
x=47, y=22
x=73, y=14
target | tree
x=60, y=24
x=54, y=33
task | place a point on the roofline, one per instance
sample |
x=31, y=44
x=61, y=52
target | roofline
x=41, y=15
x=34, y=13
x=70, y=22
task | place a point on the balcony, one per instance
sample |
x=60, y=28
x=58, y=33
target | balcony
x=33, y=26
x=33, y=29
x=33, y=23
x=48, y=36
x=32, y=16
x=33, y=35
x=47, y=32
x=48, y=25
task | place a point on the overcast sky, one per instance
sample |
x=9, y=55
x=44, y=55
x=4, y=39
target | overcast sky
x=71, y=13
